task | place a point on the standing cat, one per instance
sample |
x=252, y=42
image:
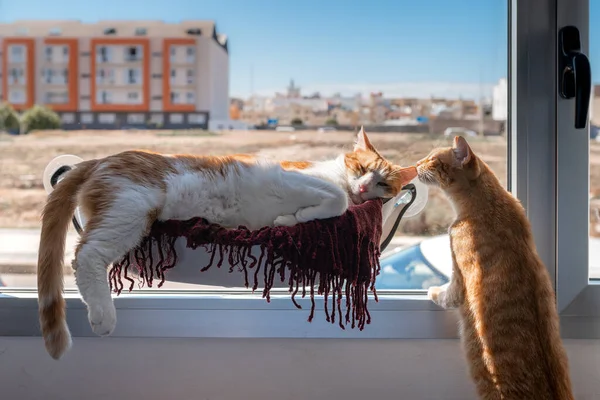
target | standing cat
x=510, y=325
x=121, y=196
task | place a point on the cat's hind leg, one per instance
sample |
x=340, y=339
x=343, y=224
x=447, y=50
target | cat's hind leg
x=108, y=237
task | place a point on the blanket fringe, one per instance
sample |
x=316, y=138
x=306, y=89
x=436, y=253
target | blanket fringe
x=335, y=258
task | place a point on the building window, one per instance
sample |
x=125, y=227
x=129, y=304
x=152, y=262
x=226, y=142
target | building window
x=140, y=31
x=49, y=73
x=56, y=97
x=133, y=76
x=173, y=53
x=136, y=118
x=103, y=97
x=65, y=74
x=197, y=119
x=190, y=98
x=16, y=53
x=190, y=76
x=174, y=97
x=68, y=118
x=65, y=51
x=176, y=118
x=157, y=118
x=190, y=53
x=16, y=96
x=48, y=53
x=133, y=97
x=107, y=118
x=103, y=54
x=87, y=118
x=16, y=76
x=133, y=53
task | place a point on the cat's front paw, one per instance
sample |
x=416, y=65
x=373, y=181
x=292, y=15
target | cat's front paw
x=436, y=294
x=285, y=220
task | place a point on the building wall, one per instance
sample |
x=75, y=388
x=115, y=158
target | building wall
x=219, y=83
x=196, y=100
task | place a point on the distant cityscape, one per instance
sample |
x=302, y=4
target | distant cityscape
x=292, y=107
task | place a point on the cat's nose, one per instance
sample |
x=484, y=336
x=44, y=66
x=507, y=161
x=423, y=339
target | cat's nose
x=362, y=188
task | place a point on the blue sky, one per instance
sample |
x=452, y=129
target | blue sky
x=402, y=47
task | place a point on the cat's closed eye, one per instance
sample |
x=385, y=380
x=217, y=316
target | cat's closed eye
x=383, y=184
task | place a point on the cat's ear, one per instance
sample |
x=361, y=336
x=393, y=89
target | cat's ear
x=362, y=141
x=462, y=151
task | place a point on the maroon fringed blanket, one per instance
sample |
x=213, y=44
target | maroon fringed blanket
x=340, y=255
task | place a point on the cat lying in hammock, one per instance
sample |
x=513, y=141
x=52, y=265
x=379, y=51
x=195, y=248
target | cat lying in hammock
x=121, y=196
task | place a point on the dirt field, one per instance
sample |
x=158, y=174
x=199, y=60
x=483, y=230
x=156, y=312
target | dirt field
x=23, y=159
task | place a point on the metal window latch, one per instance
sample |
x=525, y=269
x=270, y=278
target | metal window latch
x=575, y=75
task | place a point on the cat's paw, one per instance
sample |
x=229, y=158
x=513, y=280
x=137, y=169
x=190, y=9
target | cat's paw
x=103, y=318
x=285, y=220
x=435, y=294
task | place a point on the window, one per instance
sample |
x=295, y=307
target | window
x=190, y=76
x=552, y=184
x=133, y=97
x=199, y=119
x=56, y=97
x=16, y=96
x=140, y=31
x=133, y=76
x=133, y=53
x=16, y=53
x=68, y=118
x=16, y=76
x=136, y=118
x=105, y=76
x=190, y=54
x=48, y=53
x=103, y=54
x=65, y=51
x=190, y=97
x=87, y=118
x=107, y=118
x=176, y=118
x=48, y=73
x=103, y=97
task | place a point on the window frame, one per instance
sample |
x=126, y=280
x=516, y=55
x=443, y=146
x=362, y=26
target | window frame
x=533, y=112
x=578, y=297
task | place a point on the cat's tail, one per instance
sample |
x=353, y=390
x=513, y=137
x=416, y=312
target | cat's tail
x=56, y=217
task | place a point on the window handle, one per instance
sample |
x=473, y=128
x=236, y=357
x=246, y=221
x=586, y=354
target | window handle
x=575, y=75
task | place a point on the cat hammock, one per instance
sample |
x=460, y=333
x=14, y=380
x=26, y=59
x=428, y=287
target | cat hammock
x=336, y=257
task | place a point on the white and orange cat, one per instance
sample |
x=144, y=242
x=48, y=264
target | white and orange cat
x=122, y=195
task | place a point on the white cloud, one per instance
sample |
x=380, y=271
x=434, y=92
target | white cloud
x=397, y=89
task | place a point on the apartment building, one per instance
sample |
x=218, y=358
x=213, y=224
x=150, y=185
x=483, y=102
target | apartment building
x=114, y=74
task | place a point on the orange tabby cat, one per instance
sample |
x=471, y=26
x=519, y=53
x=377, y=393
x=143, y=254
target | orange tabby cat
x=122, y=195
x=510, y=325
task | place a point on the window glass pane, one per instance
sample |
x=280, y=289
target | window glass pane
x=413, y=76
x=594, y=54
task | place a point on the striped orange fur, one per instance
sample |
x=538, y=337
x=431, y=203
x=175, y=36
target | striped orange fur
x=510, y=325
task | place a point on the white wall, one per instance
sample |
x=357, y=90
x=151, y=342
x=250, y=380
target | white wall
x=266, y=369
x=219, y=82
x=500, y=101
